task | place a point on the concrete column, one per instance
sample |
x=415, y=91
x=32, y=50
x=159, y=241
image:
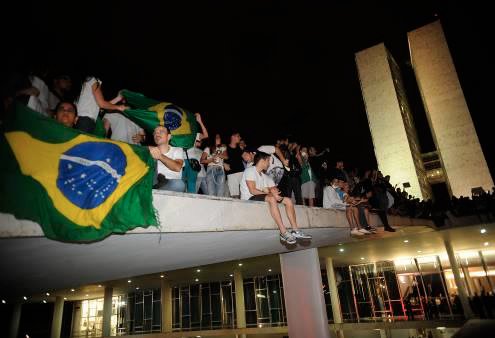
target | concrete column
x=240, y=310
x=58, y=311
x=468, y=313
x=334, y=296
x=16, y=319
x=107, y=311
x=167, y=310
x=304, y=302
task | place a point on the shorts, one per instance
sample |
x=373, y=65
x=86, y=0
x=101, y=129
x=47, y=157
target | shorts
x=308, y=189
x=234, y=181
x=260, y=198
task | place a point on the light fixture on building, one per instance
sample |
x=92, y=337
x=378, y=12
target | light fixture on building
x=161, y=276
x=48, y=293
x=198, y=270
x=483, y=231
x=44, y=301
x=240, y=264
x=231, y=275
x=65, y=298
x=259, y=295
x=362, y=258
x=87, y=295
x=137, y=287
x=129, y=281
x=25, y=298
x=341, y=249
x=196, y=280
x=406, y=241
x=72, y=290
x=419, y=251
x=486, y=244
x=3, y=301
x=269, y=270
x=99, y=285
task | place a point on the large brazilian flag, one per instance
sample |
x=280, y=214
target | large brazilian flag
x=148, y=114
x=76, y=186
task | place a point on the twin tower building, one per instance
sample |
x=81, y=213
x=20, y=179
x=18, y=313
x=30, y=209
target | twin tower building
x=461, y=164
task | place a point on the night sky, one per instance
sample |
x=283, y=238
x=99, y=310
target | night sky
x=262, y=67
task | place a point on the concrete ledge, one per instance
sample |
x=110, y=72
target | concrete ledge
x=180, y=212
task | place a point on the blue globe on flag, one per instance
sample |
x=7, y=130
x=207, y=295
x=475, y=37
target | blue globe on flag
x=172, y=117
x=89, y=172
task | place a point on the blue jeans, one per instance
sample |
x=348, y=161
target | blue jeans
x=201, y=183
x=176, y=185
x=215, y=180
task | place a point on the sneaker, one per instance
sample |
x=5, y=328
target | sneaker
x=298, y=234
x=356, y=232
x=287, y=238
x=389, y=228
x=371, y=229
x=364, y=231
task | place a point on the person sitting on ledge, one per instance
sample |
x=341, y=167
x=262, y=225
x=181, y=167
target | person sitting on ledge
x=257, y=186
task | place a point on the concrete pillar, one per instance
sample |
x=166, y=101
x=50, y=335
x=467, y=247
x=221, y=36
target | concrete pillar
x=386, y=333
x=240, y=310
x=304, y=302
x=468, y=313
x=334, y=296
x=58, y=311
x=107, y=311
x=16, y=319
x=167, y=310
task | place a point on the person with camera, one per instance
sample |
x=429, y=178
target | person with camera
x=213, y=156
x=291, y=181
x=194, y=173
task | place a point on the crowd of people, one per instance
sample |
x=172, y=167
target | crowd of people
x=285, y=172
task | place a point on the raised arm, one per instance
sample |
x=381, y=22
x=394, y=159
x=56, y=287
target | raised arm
x=102, y=103
x=204, y=131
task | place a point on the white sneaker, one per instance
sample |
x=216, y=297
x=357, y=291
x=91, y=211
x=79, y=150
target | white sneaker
x=364, y=231
x=288, y=238
x=301, y=235
x=356, y=232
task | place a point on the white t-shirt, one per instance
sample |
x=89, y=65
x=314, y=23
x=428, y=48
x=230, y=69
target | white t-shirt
x=276, y=168
x=173, y=153
x=261, y=180
x=39, y=103
x=86, y=104
x=219, y=150
x=123, y=129
x=196, y=154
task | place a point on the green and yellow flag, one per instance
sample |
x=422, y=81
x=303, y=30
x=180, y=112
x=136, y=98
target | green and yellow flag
x=76, y=186
x=149, y=113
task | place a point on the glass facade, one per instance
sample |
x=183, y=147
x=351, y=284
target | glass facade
x=141, y=313
x=417, y=288
x=264, y=301
x=88, y=317
x=205, y=306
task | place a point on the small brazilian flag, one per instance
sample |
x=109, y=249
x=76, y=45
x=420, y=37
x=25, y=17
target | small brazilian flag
x=148, y=114
x=76, y=186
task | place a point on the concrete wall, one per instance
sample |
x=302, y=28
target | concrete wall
x=448, y=114
x=390, y=139
x=188, y=213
